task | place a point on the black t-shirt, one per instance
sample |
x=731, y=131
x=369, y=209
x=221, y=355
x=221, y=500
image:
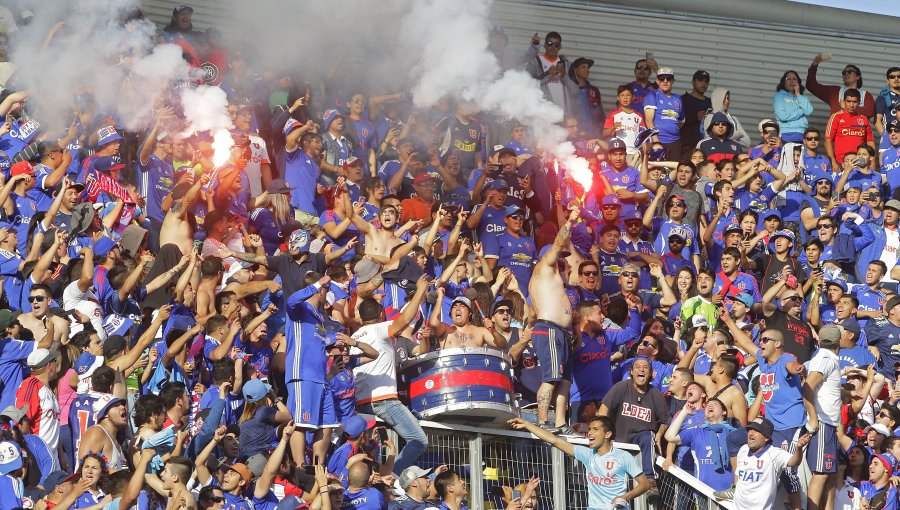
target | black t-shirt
x=291, y=273
x=769, y=268
x=527, y=370
x=798, y=338
x=634, y=411
x=690, y=131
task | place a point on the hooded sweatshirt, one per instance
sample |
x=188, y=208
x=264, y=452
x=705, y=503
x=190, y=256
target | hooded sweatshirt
x=715, y=148
x=717, y=97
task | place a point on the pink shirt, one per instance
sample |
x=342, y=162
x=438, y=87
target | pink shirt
x=67, y=395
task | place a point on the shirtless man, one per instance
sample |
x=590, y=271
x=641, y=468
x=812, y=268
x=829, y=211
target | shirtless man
x=175, y=228
x=112, y=417
x=463, y=333
x=552, y=334
x=211, y=271
x=36, y=320
x=379, y=241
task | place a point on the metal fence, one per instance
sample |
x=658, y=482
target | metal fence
x=489, y=458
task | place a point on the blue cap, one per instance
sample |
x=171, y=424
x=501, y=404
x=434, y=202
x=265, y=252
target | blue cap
x=10, y=457
x=787, y=234
x=356, y=425
x=331, y=338
x=771, y=213
x=617, y=144
x=495, y=184
x=643, y=136
x=85, y=364
x=744, y=297
x=512, y=209
x=329, y=115
x=107, y=134
x=611, y=199
x=255, y=390
x=840, y=283
x=103, y=246
x=291, y=125
x=107, y=164
x=631, y=215
x=851, y=325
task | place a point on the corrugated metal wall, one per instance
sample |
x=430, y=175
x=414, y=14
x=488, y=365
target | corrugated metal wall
x=747, y=58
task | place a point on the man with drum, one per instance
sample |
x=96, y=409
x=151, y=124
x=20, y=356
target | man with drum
x=552, y=336
x=462, y=333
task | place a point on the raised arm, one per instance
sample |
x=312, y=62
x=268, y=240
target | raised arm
x=543, y=435
x=409, y=312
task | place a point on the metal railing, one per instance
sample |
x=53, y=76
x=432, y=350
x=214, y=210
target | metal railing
x=680, y=490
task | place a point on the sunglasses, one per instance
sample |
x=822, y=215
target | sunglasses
x=641, y=68
x=632, y=224
x=36, y=299
x=503, y=311
x=678, y=203
x=826, y=225
x=665, y=78
x=893, y=130
x=720, y=124
x=677, y=241
x=516, y=216
x=766, y=339
x=792, y=298
x=215, y=499
x=894, y=77
x=630, y=274
x=590, y=273
x=845, y=72
x=647, y=343
x=553, y=44
x=883, y=414
x=812, y=138
x=609, y=207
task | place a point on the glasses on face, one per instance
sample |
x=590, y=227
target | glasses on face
x=677, y=241
x=647, y=343
x=742, y=160
x=893, y=130
x=503, y=311
x=678, y=203
x=792, y=298
x=216, y=499
x=630, y=274
x=812, y=138
x=665, y=78
x=641, y=68
x=609, y=207
x=883, y=414
x=516, y=217
x=590, y=273
x=826, y=225
x=766, y=339
x=894, y=77
x=553, y=44
x=719, y=124
x=845, y=72
x=36, y=299
x=632, y=224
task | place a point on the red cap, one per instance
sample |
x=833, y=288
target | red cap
x=22, y=167
x=423, y=177
x=352, y=160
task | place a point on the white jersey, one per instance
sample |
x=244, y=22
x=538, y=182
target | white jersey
x=757, y=477
x=889, y=254
x=828, y=397
x=376, y=380
x=86, y=303
x=259, y=156
x=555, y=85
x=847, y=497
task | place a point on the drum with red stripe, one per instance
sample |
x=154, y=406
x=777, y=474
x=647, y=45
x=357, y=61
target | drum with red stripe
x=472, y=384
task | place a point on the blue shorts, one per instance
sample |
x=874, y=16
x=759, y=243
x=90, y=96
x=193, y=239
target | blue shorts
x=551, y=344
x=821, y=454
x=311, y=405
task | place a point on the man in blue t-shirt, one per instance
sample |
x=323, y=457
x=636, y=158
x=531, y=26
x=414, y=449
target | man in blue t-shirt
x=155, y=177
x=890, y=155
x=607, y=469
x=512, y=249
x=302, y=148
x=664, y=111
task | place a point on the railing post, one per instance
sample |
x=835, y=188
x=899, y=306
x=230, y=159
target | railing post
x=558, y=470
x=476, y=482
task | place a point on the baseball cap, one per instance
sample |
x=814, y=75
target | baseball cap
x=645, y=135
x=733, y=227
x=352, y=160
x=86, y=364
x=665, y=71
x=631, y=216
x=893, y=124
x=495, y=184
x=879, y=428
x=240, y=469
x=892, y=204
x=504, y=151
x=182, y=7
x=411, y=474
x=700, y=75
x=114, y=344
x=103, y=404
x=291, y=125
x=763, y=124
x=616, y=144
x=891, y=303
x=889, y=461
x=107, y=134
x=329, y=115
x=837, y=282
x=772, y=213
x=462, y=299
x=787, y=234
x=745, y=298
x=677, y=236
x=830, y=333
x=107, y=164
x=763, y=426
x=103, y=246
x=355, y=425
x=611, y=199
x=15, y=413
x=423, y=177
x=581, y=60
x=503, y=302
x=255, y=390
x=365, y=270
x=850, y=324
x=277, y=186
x=39, y=358
x=257, y=464
x=22, y=167
x=10, y=457
x=699, y=321
x=512, y=209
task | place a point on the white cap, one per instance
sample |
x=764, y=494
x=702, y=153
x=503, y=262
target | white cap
x=665, y=71
x=39, y=358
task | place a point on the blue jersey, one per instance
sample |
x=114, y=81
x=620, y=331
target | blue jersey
x=639, y=246
x=708, y=446
x=781, y=393
x=607, y=475
x=742, y=282
x=12, y=492
x=856, y=357
x=869, y=301
x=13, y=354
x=869, y=490
x=365, y=499
x=815, y=166
x=302, y=174
x=155, y=181
x=516, y=253
x=629, y=179
x=24, y=207
x=890, y=166
x=387, y=171
x=864, y=181
x=589, y=364
x=671, y=263
x=337, y=463
x=81, y=416
x=20, y=134
x=305, y=336
x=759, y=202
x=491, y=222
x=259, y=356
x=667, y=228
x=887, y=105
x=14, y=280
x=42, y=193
x=518, y=148
x=773, y=157
x=610, y=267
x=234, y=404
x=669, y=114
x=724, y=221
x=691, y=421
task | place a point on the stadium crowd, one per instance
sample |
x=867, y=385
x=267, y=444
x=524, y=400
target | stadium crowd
x=181, y=334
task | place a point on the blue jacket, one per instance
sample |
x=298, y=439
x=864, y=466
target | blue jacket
x=791, y=112
x=870, y=252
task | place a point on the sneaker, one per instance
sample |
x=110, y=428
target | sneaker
x=726, y=495
x=549, y=428
x=568, y=431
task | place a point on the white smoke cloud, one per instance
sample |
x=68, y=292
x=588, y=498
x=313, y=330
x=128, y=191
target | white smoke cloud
x=205, y=109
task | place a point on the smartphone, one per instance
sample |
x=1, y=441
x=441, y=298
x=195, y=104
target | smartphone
x=382, y=434
x=648, y=55
x=826, y=56
x=516, y=494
